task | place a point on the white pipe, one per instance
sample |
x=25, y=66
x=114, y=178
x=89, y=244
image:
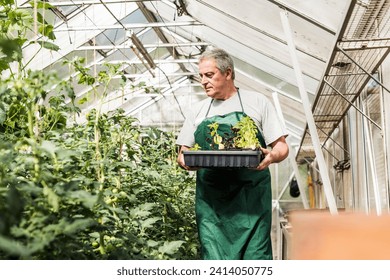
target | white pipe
x=284, y=189
x=84, y=3
x=309, y=116
x=371, y=162
x=128, y=26
x=146, y=46
x=291, y=155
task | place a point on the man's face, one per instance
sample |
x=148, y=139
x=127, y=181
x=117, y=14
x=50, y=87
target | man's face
x=213, y=81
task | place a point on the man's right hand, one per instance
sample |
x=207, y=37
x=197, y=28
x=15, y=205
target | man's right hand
x=181, y=162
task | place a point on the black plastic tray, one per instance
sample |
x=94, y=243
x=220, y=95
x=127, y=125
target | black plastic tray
x=218, y=158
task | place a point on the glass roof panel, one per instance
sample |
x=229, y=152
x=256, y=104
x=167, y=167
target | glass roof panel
x=173, y=36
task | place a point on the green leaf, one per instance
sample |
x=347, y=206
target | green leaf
x=11, y=49
x=83, y=100
x=152, y=243
x=41, y=19
x=3, y=115
x=52, y=198
x=41, y=5
x=20, y=19
x=77, y=226
x=48, y=45
x=49, y=147
x=7, y=2
x=148, y=223
x=171, y=247
x=147, y=206
x=94, y=234
x=142, y=210
x=86, y=198
x=13, y=247
x=47, y=30
x=139, y=213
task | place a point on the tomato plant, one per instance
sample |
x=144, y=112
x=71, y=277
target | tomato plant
x=103, y=189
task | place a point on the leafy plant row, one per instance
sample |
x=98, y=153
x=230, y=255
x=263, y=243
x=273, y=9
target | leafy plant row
x=104, y=189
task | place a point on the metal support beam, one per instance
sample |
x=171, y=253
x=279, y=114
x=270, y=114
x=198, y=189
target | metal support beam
x=267, y=85
x=309, y=115
x=309, y=19
x=152, y=18
x=276, y=201
x=350, y=103
x=364, y=44
x=84, y=2
x=143, y=75
x=162, y=45
x=291, y=156
x=258, y=30
x=364, y=70
x=334, y=141
x=154, y=99
x=156, y=61
x=139, y=47
x=128, y=26
x=372, y=165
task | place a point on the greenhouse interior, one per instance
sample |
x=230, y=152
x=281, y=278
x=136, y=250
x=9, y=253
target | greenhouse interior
x=94, y=93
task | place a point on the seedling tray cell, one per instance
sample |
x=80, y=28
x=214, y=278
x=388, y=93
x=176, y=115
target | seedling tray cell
x=249, y=159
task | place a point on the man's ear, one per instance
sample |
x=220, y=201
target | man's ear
x=229, y=73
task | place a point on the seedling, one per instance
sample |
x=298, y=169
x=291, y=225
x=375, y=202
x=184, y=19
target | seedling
x=246, y=137
x=243, y=136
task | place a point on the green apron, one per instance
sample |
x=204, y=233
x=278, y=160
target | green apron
x=233, y=205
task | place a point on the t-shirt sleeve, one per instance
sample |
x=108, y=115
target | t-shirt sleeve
x=272, y=126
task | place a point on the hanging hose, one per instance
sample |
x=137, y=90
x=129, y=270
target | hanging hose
x=311, y=191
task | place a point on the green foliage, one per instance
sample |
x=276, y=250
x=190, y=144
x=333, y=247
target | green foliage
x=51, y=193
x=216, y=138
x=246, y=134
x=106, y=189
x=243, y=135
x=196, y=147
x=14, y=25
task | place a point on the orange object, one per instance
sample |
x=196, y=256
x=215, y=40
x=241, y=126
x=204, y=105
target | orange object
x=318, y=235
x=311, y=191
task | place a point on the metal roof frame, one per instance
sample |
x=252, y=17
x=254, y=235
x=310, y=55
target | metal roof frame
x=173, y=33
x=363, y=43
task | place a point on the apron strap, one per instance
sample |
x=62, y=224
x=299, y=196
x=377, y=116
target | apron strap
x=208, y=110
x=239, y=97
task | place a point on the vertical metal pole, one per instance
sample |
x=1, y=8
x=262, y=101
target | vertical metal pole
x=291, y=155
x=309, y=116
x=282, y=192
x=275, y=205
x=278, y=234
x=386, y=127
x=371, y=162
x=276, y=179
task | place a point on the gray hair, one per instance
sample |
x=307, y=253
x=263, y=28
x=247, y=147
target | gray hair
x=222, y=59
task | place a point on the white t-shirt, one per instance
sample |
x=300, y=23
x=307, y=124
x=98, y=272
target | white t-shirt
x=255, y=105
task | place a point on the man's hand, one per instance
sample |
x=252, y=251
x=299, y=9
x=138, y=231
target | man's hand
x=278, y=153
x=180, y=159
